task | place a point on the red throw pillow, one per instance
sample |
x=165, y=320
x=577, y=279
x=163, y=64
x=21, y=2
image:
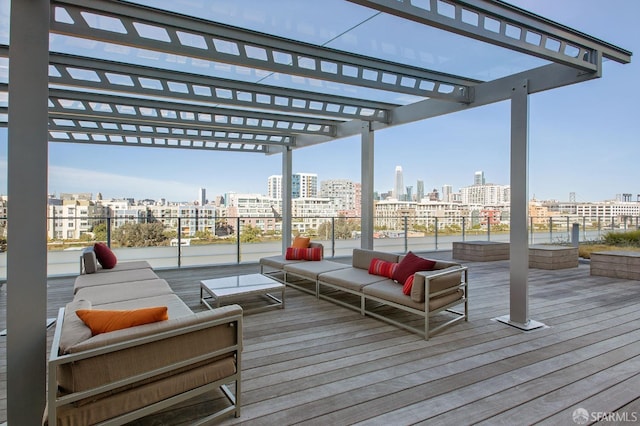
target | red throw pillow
x=293, y=253
x=382, y=267
x=410, y=265
x=105, y=256
x=408, y=285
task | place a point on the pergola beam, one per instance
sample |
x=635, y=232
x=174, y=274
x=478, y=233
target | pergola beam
x=540, y=79
x=186, y=36
x=504, y=25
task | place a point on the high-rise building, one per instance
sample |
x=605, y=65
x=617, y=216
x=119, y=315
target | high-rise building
x=447, y=190
x=409, y=194
x=304, y=185
x=202, y=196
x=398, y=187
x=420, y=190
x=274, y=187
x=478, y=178
x=343, y=193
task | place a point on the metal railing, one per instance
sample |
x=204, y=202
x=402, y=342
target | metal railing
x=229, y=240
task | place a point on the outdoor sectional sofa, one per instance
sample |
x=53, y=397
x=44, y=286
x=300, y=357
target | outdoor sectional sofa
x=443, y=288
x=119, y=376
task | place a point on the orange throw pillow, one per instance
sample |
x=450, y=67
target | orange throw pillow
x=301, y=242
x=104, y=321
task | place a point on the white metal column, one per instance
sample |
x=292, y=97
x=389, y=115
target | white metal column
x=287, y=171
x=27, y=206
x=519, y=243
x=366, y=171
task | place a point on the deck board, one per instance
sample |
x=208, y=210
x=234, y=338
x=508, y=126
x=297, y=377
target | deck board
x=317, y=363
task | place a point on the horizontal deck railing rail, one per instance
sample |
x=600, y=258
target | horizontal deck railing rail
x=173, y=242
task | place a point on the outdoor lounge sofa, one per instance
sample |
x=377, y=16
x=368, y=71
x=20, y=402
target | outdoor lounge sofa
x=442, y=289
x=118, y=376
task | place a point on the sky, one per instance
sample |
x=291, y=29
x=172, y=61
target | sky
x=583, y=138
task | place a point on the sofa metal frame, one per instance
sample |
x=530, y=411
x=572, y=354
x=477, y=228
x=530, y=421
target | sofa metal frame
x=426, y=314
x=55, y=401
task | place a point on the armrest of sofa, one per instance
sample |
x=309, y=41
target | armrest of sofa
x=438, y=282
x=130, y=357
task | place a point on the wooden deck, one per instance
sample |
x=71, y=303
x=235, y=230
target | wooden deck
x=316, y=363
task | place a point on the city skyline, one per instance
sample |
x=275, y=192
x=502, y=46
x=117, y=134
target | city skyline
x=582, y=140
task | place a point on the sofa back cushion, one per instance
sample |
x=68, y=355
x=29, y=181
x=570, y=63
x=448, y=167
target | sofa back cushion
x=362, y=258
x=89, y=261
x=74, y=330
x=436, y=284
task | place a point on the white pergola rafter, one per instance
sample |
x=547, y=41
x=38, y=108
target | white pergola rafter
x=504, y=25
x=185, y=36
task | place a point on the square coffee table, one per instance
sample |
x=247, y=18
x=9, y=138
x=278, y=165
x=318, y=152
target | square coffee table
x=222, y=289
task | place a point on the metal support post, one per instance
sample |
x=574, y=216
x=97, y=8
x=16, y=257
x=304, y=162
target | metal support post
x=519, y=245
x=366, y=170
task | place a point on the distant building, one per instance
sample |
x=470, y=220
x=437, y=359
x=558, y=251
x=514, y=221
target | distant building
x=478, y=178
x=274, y=187
x=304, y=185
x=344, y=194
x=202, y=196
x=486, y=194
x=398, y=184
x=447, y=191
x=419, y=190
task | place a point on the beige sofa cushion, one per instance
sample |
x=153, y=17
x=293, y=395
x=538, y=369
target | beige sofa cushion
x=89, y=260
x=176, y=307
x=436, y=284
x=101, y=294
x=362, y=258
x=112, y=277
x=351, y=278
x=99, y=370
x=311, y=270
x=392, y=292
x=93, y=411
x=74, y=330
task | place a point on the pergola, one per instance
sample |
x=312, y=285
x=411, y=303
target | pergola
x=249, y=77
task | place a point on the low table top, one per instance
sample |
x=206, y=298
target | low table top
x=241, y=284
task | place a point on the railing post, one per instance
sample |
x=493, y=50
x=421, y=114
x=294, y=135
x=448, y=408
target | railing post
x=109, y=229
x=489, y=229
x=238, y=257
x=464, y=222
x=406, y=241
x=569, y=232
x=179, y=242
x=333, y=236
x=584, y=228
x=531, y=229
x=550, y=230
x=436, y=232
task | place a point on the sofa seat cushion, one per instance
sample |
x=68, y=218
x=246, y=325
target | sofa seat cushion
x=126, y=266
x=176, y=307
x=392, y=292
x=277, y=262
x=101, y=294
x=311, y=270
x=95, y=410
x=351, y=278
x=112, y=277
